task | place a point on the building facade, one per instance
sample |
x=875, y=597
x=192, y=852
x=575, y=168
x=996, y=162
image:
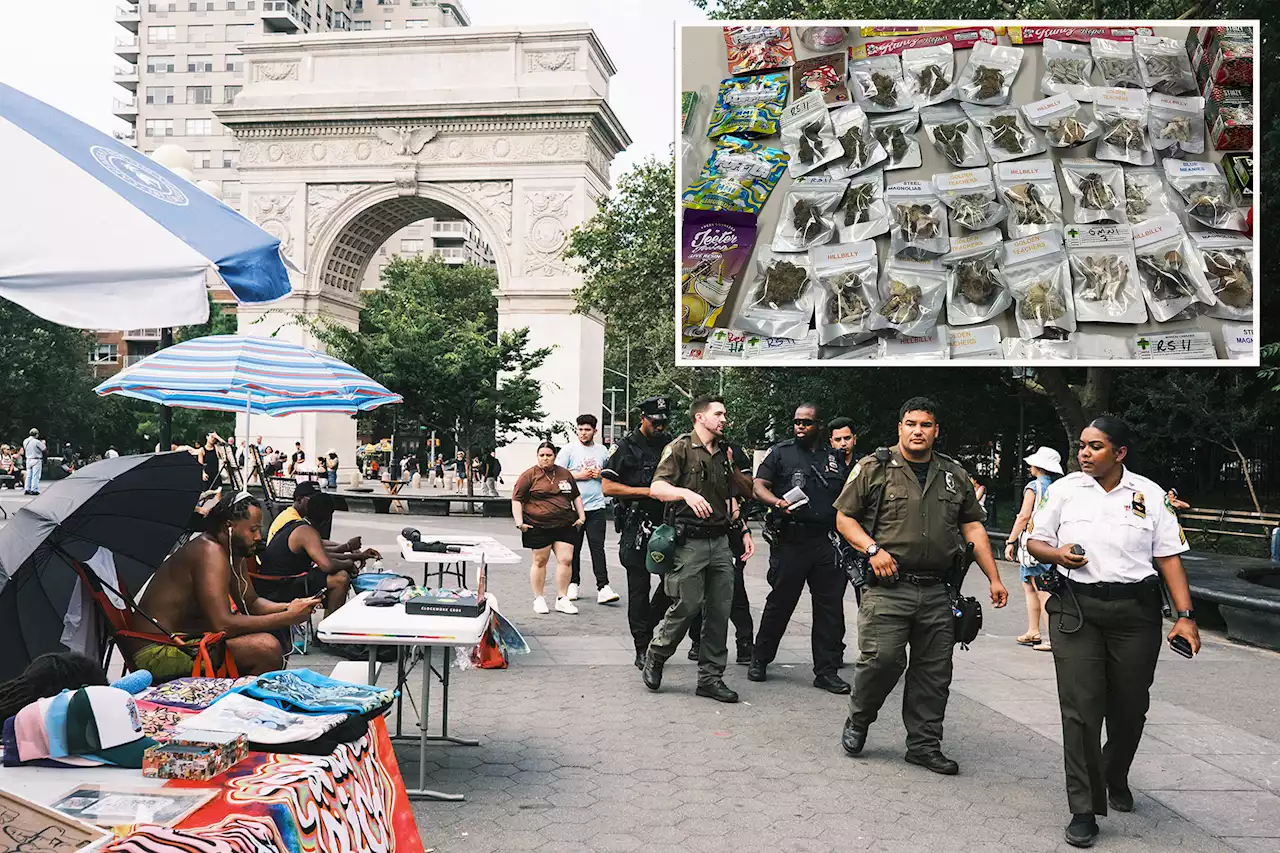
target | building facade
x=455, y=242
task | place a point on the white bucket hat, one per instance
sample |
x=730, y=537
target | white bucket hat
x=1046, y=459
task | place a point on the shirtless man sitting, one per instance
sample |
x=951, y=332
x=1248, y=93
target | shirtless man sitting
x=193, y=590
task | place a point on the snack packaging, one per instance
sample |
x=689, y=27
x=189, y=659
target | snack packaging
x=954, y=135
x=779, y=299
x=909, y=296
x=1036, y=270
x=1104, y=274
x=987, y=78
x=821, y=38
x=1116, y=63
x=1176, y=124
x=693, y=112
x=1163, y=65
x=878, y=86
x=858, y=143
x=823, y=74
x=1097, y=189
x=1068, y=69
x=971, y=197
x=1145, y=195
x=930, y=73
x=918, y=221
x=844, y=283
x=1228, y=267
x=1230, y=117
x=715, y=247
x=808, y=217
x=688, y=105
x=1239, y=169
x=758, y=48
x=1230, y=62
x=808, y=136
x=749, y=106
x=976, y=290
x=1170, y=270
x=1065, y=121
x=1038, y=34
x=896, y=133
x=1205, y=193
x=1005, y=133
x=1122, y=114
x=1029, y=189
x=960, y=38
x=862, y=212
x=739, y=175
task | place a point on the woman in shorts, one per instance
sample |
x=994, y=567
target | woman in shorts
x=547, y=508
x=1045, y=467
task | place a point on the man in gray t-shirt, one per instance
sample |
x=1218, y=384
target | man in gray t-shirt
x=33, y=451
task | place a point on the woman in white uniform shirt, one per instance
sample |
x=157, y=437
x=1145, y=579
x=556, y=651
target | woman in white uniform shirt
x=1105, y=618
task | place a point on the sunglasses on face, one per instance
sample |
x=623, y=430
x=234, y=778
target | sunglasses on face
x=804, y=422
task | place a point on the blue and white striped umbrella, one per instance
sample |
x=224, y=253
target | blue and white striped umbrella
x=97, y=236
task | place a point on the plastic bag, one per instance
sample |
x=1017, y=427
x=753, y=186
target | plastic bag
x=1145, y=195
x=779, y=301
x=1176, y=124
x=1065, y=121
x=822, y=38
x=1170, y=269
x=1036, y=270
x=1116, y=63
x=1206, y=196
x=976, y=289
x=971, y=197
x=1068, y=69
x=909, y=296
x=878, y=85
x=749, y=106
x=1104, y=274
x=987, y=78
x=715, y=246
x=1228, y=268
x=808, y=214
x=930, y=73
x=1163, y=65
x=862, y=212
x=739, y=175
x=858, y=144
x=844, y=279
x=1122, y=114
x=954, y=135
x=919, y=221
x=1097, y=189
x=808, y=136
x=758, y=48
x=896, y=133
x=1005, y=133
x=1029, y=189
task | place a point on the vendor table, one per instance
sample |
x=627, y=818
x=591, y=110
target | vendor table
x=358, y=624
x=483, y=549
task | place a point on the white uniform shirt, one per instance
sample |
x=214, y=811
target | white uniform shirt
x=1121, y=531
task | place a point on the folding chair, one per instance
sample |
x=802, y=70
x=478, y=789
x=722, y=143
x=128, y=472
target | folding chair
x=287, y=588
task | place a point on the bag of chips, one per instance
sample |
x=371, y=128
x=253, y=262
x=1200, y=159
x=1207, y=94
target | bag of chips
x=862, y=212
x=1005, y=133
x=758, y=48
x=1097, y=189
x=1170, y=269
x=1068, y=69
x=976, y=290
x=858, y=144
x=844, y=280
x=971, y=197
x=1206, y=195
x=1116, y=63
x=739, y=175
x=808, y=136
x=1104, y=274
x=1122, y=114
x=1036, y=270
x=909, y=296
x=1065, y=121
x=954, y=135
x=987, y=78
x=1228, y=268
x=930, y=73
x=1029, y=189
x=878, y=85
x=779, y=300
x=825, y=74
x=896, y=133
x=919, y=221
x=715, y=246
x=808, y=218
x=749, y=106
x=1176, y=124
x=1145, y=195
x=1163, y=65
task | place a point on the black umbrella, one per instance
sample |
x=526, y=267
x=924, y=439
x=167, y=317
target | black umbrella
x=134, y=506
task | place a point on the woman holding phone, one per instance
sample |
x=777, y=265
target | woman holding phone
x=548, y=511
x=1101, y=529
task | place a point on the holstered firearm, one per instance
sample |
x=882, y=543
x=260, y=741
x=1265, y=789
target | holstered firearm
x=959, y=567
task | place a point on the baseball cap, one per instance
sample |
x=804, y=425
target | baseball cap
x=103, y=722
x=29, y=731
x=306, y=490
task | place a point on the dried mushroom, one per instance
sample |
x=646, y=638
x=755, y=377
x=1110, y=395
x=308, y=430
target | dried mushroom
x=846, y=305
x=977, y=280
x=1167, y=276
x=894, y=139
x=1208, y=200
x=856, y=203
x=903, y=304
x=1029, y=205
x=1068, y=72
x=1067, y=131
x=782, y=284
x=917, y=221
x=932, y=80
x=806, y=218
x=1104, y=276
x=1135, y=199
x=1042, y=303
x=950, y=139
x=856, y=145
x=989, y=82
x=886, y=90
x=1096, y=193
x=971, y=210
x=811, y=145
x=1178, y=129
x=1124, y=133
x=1006, y=134
x=1235, y=278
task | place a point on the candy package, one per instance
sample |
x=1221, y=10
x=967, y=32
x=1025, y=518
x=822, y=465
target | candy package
x=739, y=175
x=1116, y=63
x=1206, y=195
x=1145, y=195
x=862, y=212
x=1065, y=121
x=807, y=218
x=1170, y=270
x=954, y=135
x=1104, y=274
x=808, y=136
x=779, y=300
x=823, y=74
x=758, y=48
x=971, y=197
x=844, y=283
x=858, y=144
x=1163, y=65
x=822, y=38
x=976, y=290
x=878, y=85
x=930, y=73
x=1122, y=114
x=1176, y=124
x=1029, y=189
x=1097, y=189
x=749, y=106
x=909, y=296
x=896, y=133
x=987, y=77
x=715, y=247
x=1004, y=131
x=1036, y=271
x=1228, y=267
x=1068, y=69
x=919, y=221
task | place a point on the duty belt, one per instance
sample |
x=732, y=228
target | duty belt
x=920, y=580
x=1113, y=591
x=700, y=532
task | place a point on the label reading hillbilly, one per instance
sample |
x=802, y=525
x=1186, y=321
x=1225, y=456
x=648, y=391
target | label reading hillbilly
x=961, y=38
x=1036, y=35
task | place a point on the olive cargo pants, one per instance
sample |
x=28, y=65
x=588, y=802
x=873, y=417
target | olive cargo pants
x=703, y=572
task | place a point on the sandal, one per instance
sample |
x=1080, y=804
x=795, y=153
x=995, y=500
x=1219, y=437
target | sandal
x=1028, y=639
x=1042, y=647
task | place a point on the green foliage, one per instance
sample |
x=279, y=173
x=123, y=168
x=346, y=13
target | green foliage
x=47, y=377
x=220, y=322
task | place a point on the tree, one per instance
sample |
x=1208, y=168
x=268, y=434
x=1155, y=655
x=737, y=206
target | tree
x=220, y=322
x=47, y=376
x=1076, y=404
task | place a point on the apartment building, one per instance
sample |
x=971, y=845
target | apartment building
x=456, y=242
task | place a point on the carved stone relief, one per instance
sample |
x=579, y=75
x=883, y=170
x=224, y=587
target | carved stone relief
x=275, y=71
x=493, y=197
x=551, y=60
x=322, y=201
x=274, y=212
x=530, y=148
x=546, y=212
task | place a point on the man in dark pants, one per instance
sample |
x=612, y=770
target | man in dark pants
x=626, y=478
x=586, y=459
x=804, y=554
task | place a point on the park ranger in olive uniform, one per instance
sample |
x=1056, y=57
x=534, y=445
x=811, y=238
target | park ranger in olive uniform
x=927, y=511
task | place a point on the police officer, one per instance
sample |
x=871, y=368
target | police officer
x=1106, y=609
x=925, y=512
x=626, y=479
x=803, y=550
x=696, y=475
x=843, y=439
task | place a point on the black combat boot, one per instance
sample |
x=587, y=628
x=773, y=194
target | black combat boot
x=1082, y=831
x=853, y=738
x=744, y=652
x=718, y=691
x=652, y=673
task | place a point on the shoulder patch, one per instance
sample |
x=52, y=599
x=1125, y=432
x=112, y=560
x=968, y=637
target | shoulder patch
x=666, y=451
x=853, y=475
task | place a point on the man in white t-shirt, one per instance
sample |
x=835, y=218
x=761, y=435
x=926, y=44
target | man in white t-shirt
x=586, y=458
x=111, y=453
x=33, y=449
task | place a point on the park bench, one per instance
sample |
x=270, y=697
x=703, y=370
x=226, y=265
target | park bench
x=1213, y=524
x=369, y=500
x=1233, y=592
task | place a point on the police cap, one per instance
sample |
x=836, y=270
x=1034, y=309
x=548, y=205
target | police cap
x=656, y=409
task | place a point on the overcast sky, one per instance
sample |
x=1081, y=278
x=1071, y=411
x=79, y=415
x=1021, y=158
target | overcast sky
x=61, y=52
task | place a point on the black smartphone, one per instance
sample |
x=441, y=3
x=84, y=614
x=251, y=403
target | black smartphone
x=1181, y=646
x=1077, y=550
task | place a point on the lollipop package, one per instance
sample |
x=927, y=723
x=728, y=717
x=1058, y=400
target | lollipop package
x=808, y=218
x=878, y=85
x=987, y=78
x=1205, y=193
x=910, y=296
x=749, y=106
x=919, y=221
x=1006, y=134
x=862, y=212
x=976, y=290
x=808, y=136
x=930, y=73
x=1122, y=114
x=1036, y=270
x=1228, y=268
x=1068, y=69
x=779, y=300
x=1065, y=121
x=971, y=197
x=1104, y=274
x=1096, y=188
x=844, y=279
x=758, y=48
x=896, y=133
x=739, y=175
x=954, y=135
x=1029, y=189
x=1169, y=268
x=715, y=247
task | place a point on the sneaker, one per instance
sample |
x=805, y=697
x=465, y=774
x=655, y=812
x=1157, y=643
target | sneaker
x=573, y=592
x=606, y=595
x=564, y=605
x=540, y=605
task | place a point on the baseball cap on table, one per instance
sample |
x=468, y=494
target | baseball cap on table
x=656, y=409
x=103, y=722
x=30, y=734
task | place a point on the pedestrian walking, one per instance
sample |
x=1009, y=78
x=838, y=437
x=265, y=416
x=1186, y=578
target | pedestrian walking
x=1102, y=537
x=800, y=480
x=697, y=477
x=586, y=458
x=1045, y=466
x=548, y=512
x=297, y=460
x=460, y=472
x=33, y=450
x=626, y=478
x=439, y=473
x=331, y=469
x=925, y=511
x=209, y=462
x=491, y=468
x=111, y=453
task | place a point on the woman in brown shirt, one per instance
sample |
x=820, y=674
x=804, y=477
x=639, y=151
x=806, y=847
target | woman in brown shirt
x=547, y=507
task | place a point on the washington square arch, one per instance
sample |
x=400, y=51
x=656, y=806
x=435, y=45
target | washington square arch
x=348, y=137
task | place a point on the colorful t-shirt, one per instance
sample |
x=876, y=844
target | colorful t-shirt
x=306, y=692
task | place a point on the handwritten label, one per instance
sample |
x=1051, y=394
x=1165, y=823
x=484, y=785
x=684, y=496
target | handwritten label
x=1175, y=345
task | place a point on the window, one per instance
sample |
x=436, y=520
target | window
x=230, y=159
x=235, y=62
x=159, y=127
x=386, y=25
x=361, y=26
x=231, y=192
x=162, y=35
x=357, y=5
x=388, y=2
x=199, y=63
x=199, y=127
x=199, y=94
x=200, y=159
x=415, y=25
x=159, y=64
x=229, y=93
x=240, y=32
x=159, y=94
x=104, y=354
x=200, y=33
x=411, y=247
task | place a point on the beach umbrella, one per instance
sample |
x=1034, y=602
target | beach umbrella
x=95, y=235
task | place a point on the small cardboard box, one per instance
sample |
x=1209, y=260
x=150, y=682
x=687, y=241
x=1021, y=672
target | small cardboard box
x=1230, y=123
x=1239, y=169
x=444, y=602
x=193, y=761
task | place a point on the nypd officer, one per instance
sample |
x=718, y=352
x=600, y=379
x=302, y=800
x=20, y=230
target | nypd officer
x=925, y=511
x=697, y=476
x=626, y=479
x=803, y=551
x=1102, y=527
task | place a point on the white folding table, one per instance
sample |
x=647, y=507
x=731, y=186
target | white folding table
x=484, y=550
